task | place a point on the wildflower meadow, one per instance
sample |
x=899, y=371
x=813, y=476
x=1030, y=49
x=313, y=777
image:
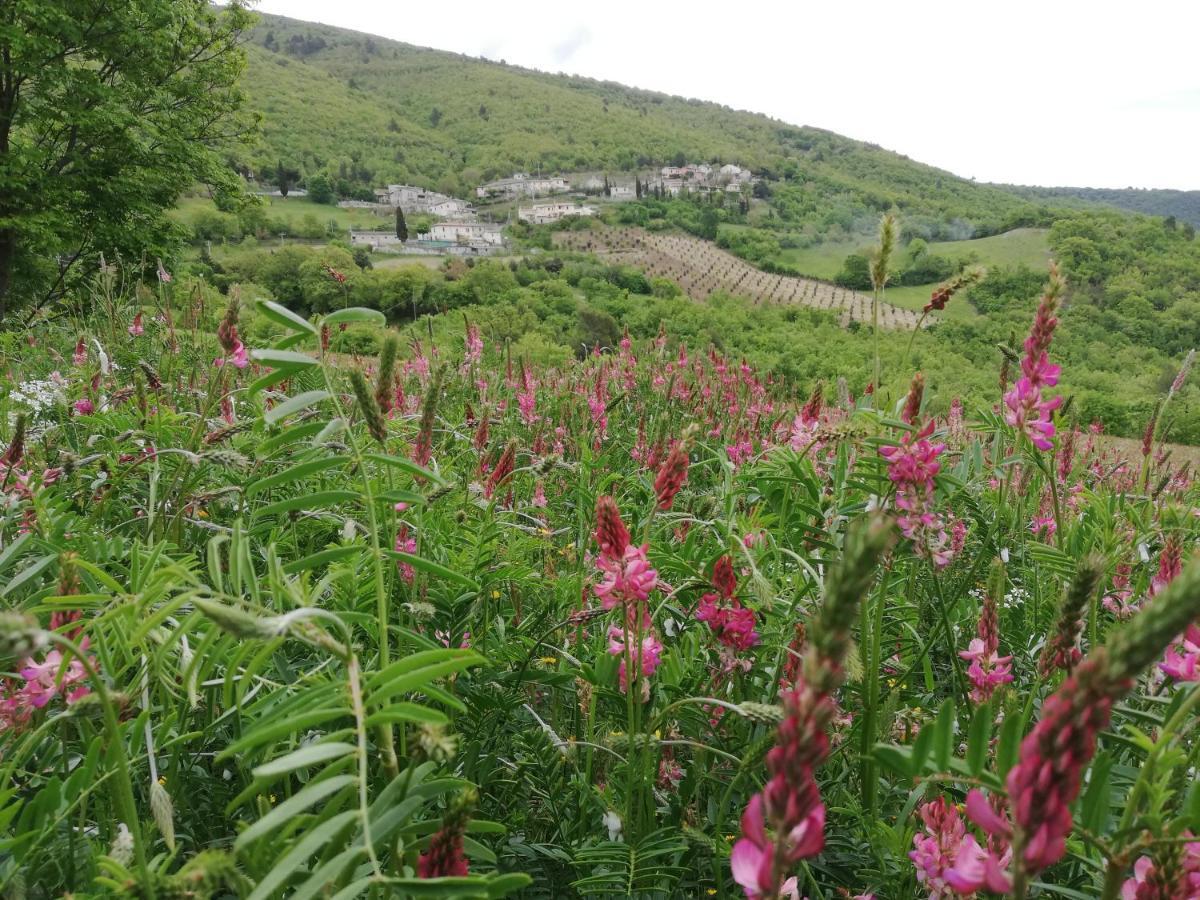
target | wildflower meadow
x=280, y=619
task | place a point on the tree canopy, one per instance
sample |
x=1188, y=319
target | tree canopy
x=107, y=112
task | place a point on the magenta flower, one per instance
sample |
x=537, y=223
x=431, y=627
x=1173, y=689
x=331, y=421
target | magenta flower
x=84, y=407
x=1147, y=881
x=136, y=328
x=647, y=659
x=1182, y=660
x=237, y=356
x=627, y=578
x=1028, y=410
x=79, y=357
x=987, y=671
x=43, y=684
x=936, y=849
x=752, y=861
x=912, y=466
x=405, y=543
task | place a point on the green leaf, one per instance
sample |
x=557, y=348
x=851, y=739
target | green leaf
x=294, y=405
x=355, y=314
x=431, y=568
x=943, y=741
x=404, y=465
x=407, y=712
x=409, y=678
x=273, y=376
x=920, y=749
x=353, y=889
x=14, y=549
x=503, y=885
x=288, y=436
x=281, y=358
x=317, y=500
x=287, y=864
x=281, y=315
x=308, y=755
x=302, y=470
x=465, y=887
x=978, y=737
x=898, y=759
x=1008, y=748
x=28, y=573
x=1094, y=807
x=320, y=558
x=276, y=730
x=313, y=793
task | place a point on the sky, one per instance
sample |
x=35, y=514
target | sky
x=1056, y=92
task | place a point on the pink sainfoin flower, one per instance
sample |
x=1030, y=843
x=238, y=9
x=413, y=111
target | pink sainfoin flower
x=647, y=661
x=912, y=466
x=527, y=397
x=49, y=679
x=539, y=496
x=1150, y=882
x=136, y=327
x=474, y=348
x=1170, y=564
x=988, y=670
x=1028, y=410
x=405, y=543
x=1118, y=601
x=79, y=357
x=627, y=576
x=84, y=407
x=627, y=579
x=949, y=860
x=731, y=623
x=1182, y=660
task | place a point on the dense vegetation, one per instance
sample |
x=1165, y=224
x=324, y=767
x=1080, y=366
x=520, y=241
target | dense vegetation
x=329, y=574
x=107, y=114
x=1183, y=206
x=480, y=626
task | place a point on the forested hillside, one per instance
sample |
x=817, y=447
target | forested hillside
x=368, y=111
x=1184, y=206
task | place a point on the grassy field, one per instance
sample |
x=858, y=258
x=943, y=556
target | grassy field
x=1021, y=245
x=293, y=210
x=916, y=296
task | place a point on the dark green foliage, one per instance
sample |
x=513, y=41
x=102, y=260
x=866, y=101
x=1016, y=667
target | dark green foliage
x=320, y=190
x=95, y=104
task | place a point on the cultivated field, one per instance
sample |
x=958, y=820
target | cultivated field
x=701, y=269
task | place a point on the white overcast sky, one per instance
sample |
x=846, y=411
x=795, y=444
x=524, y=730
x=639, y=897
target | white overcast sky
x=1056, y=92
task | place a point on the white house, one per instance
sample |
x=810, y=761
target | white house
x=450, y=208
x=623, y=192
x=546, y=213
x=464, y=232
x=522, y=184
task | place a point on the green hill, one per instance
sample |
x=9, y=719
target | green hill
x=1183, y=205
x=367, y=111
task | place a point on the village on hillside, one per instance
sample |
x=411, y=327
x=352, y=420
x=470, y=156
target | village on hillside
x=551, y=198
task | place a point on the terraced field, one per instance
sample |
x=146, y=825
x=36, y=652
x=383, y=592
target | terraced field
x=701, y=269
